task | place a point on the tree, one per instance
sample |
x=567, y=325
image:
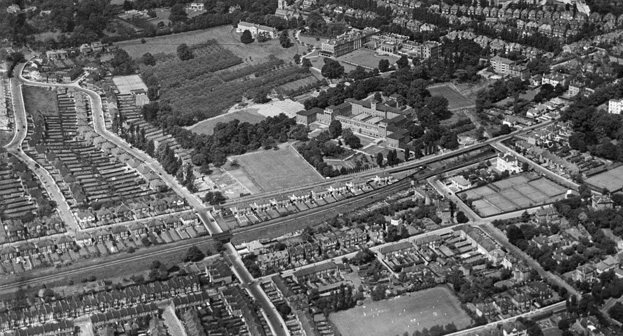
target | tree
x=383, y=65
x=184, y=53
x=379, y=159
x=407, y=153
x=214, y=198
x=332, y=69
x=335, y=129
x=307, y=63
x=297, y=58
x=149, y=59
x=261, y=96
x=284, y=39
x=438, y=105
x=178, y=14
x=194, y=254
x=246, y=37
x=461, y=218
x=403, y=62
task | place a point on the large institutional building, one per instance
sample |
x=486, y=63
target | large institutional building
x=347, y=42
x=504, y=66
x=366, y=117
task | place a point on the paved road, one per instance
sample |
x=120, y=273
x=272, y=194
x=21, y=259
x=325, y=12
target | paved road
x=275, y=321
x=15, y=147
x=503, y=148
x=500, y=237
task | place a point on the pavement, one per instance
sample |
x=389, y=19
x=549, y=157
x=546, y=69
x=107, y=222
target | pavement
x=275, y=321
x=15, y=147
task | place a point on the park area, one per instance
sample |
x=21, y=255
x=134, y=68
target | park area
x=512, y=194
x=611, y=180
x=407, y=313
x=272, y=170
x=253, y=53
x=455, y=99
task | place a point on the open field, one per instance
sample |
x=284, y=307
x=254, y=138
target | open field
x=455, y=99
x=253, y=53
x=207, y=126
x=611, y=180
x=274, y=170
x=515, y=193
x=366, y=58
x=298, y=84
x=40, y=99
x=408, y=313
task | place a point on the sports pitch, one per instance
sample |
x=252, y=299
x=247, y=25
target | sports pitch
x=410, y=312
x=512, y=194
x=455, y=99
x=277, y=169
x=611, y=180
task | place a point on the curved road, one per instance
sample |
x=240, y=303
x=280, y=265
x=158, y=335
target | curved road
x=276, y=323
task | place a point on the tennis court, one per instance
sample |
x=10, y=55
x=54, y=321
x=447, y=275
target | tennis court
x=513, y=194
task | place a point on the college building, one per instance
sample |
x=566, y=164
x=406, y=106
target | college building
x=347, y=42
x=384, y=120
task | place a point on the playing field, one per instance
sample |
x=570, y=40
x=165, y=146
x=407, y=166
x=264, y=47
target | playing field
x=455, y=99
x=611, y=180
x=416, y=311
x=366, y=58
x=277, y=169
x=207, y=126
x=512, y=194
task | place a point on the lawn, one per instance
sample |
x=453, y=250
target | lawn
x=207, y=126
x=407, y=313
x=277, y=169
x=366, y=58
x=40, y=99
x=253, y=53
x=455, y=99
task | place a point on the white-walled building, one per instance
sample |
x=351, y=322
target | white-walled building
x=615, y=106
x=508, y=162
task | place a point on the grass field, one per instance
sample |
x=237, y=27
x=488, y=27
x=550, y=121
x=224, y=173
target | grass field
x=293, y=86
x=253, y=53
x=40, y=99
x=408, y=313
x=207, y=126
x=611, y=180
x=281, y=169
x=366, y=58
x=515, y=193
x=455, y=99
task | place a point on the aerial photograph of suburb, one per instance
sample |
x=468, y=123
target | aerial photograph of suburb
x=311, y=167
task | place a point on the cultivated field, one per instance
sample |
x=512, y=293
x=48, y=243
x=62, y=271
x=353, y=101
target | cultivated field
x=611, y=180
x=408, y=313
x=253, y=53
x=40, y=99
x=366, y=58
x=455, y=99
x=302, y=83
x=274, y=170
x=207, y=126
x=512, y=194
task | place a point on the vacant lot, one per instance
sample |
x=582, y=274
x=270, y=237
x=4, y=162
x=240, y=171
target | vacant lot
x=253, y=53
x=207, y=126
x=366, y=58
x=515, y=193
x=40, y=99
x=408, y=313
x=274, y=170
x=455, y=99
